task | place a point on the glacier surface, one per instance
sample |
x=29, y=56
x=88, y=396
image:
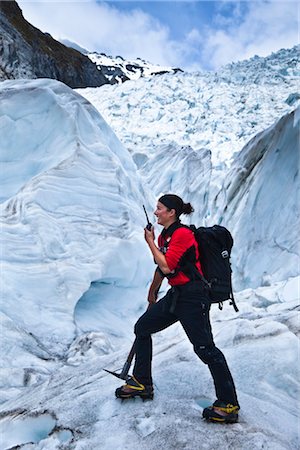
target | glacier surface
x=75, y=268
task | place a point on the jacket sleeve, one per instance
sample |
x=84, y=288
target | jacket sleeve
x=181, y=240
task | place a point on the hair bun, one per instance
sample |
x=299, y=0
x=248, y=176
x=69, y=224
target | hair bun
x=187, y=208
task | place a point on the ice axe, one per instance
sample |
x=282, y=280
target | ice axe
x=124, y=372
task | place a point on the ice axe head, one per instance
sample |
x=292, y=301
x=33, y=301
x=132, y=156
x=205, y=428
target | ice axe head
x=118, y=375
x=124, y=373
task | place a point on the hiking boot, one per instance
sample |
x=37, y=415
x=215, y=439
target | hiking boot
x=133, y=388
x=221, y=412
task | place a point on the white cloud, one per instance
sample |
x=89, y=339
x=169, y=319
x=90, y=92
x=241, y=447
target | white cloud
x=194, y=37
x=263, y=28
x=240, y=30
x=102, y=27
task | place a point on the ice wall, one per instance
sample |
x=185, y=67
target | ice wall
x=72, y=211
x=260, y=202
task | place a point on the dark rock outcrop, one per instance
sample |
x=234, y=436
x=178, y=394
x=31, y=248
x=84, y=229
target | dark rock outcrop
x=26, y=52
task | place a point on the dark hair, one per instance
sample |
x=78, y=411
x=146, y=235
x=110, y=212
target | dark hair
x=187, y=208
x=172, y=201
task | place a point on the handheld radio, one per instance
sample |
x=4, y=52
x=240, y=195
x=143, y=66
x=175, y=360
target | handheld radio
x=149, y=224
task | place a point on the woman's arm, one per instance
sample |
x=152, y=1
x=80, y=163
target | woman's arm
x=158, y=256
x=155, y=286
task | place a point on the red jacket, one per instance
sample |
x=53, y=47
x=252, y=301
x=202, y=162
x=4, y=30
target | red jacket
x=174, y=247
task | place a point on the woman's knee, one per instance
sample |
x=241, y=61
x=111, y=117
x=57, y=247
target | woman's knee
x=140, y=329
x=209, y=354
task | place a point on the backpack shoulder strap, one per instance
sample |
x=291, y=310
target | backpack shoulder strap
x=169, y=231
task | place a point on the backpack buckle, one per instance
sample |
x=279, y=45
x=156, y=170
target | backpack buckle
x=225, y=254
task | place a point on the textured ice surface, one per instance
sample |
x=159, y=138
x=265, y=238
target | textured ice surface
x=76, y=220
x=218, y=140
x=261, y=348
x=218, y=111
x=75, y=268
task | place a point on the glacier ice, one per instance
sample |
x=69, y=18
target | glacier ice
x=65, y=220
x=260, y=202
x=75, y=268
x=186, y=134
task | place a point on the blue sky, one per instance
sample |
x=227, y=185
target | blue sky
x=193, y=35
x=180, y=16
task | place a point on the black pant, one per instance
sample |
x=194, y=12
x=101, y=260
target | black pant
x=190, y=305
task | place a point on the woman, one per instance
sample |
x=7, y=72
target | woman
x=177, y=258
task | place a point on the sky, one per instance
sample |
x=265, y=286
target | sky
x=192, y=35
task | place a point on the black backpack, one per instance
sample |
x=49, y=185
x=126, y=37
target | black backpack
x=215, y=244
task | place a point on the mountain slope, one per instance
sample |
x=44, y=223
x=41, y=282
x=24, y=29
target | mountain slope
x=119, y=69
x=26, y=52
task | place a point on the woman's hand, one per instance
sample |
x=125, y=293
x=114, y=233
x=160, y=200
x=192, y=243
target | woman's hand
x=159, y=258
x=152, y=297
x=149, y=235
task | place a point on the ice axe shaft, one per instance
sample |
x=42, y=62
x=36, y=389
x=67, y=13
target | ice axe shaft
x=124, y=372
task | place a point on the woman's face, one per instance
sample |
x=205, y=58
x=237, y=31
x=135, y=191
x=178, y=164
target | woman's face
x=163, y=214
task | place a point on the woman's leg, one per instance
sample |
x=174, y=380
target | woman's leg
x=193, y=313
x=155, y=319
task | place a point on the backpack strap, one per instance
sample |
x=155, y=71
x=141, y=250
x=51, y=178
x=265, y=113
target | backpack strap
x=232, y=301
x=185, y=264
x=194, y=273
x=168, y=232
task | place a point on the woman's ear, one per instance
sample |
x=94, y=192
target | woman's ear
x=173, y=212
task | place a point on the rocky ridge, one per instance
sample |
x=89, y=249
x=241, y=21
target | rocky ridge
x=118, y=69
x=26, y=52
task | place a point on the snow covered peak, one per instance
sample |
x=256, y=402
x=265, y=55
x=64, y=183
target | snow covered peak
x=119, y=69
